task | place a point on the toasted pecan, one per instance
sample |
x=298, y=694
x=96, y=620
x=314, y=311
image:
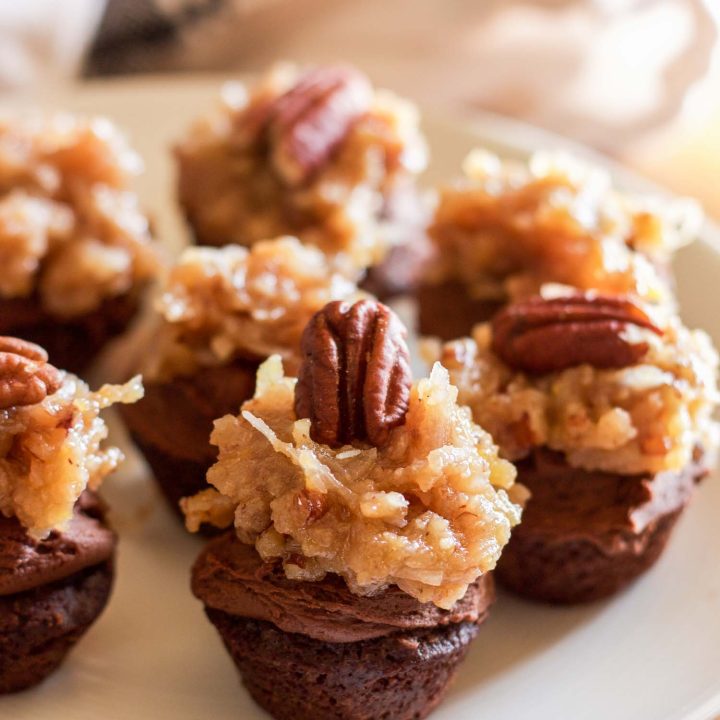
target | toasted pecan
x=354, y=380
x=305, y=125
x=26, y=376
x=547, y=335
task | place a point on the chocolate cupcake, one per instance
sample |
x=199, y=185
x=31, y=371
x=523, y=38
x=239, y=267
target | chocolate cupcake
x=507, y=229
x=221, y=313
x=74, y=245
x=318, y=154
x=368, y=514
x=56, y=550
x=314, y=649
x=607, y=412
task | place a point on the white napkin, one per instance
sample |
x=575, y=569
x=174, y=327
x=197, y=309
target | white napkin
x=42, y=42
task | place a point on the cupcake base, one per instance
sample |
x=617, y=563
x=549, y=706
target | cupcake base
x=176, y=477
x=447, y=311
x=40, y=626
x=51, y=592
x=72, y=344
x=400, y=677
x=171, y=425
x=308, y=650
x=553, y=570
x=586, y=535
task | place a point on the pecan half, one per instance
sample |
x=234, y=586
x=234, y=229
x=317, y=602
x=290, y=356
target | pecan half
x=26, y=377
x=306, y=124
x=540, y=336
x=311, y=505
x=354, y=380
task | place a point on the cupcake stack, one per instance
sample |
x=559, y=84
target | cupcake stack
x=607, y=415
x=317, y=154
x=576, y=363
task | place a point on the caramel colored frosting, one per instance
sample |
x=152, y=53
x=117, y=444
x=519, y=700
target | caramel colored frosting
x=230, y=576
x=507, y=228
x=221, y=305
x=52, y=450
x=642, y=419
x=72, y=233
x=237, y=179
x=429, y=511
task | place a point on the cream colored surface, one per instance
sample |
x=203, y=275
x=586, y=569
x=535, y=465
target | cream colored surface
x=650, y=654
x=685, y=157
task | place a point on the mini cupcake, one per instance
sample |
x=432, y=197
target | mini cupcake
x=368, y=514
x=607, y=413
x=74, y=246
x=56, y=550
x=318, y=154
x=222, y=312
x=507, y=229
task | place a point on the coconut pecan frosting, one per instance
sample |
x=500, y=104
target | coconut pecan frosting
x=611, y=383
x=72, y=233
x=385, y=482
x=51, y=436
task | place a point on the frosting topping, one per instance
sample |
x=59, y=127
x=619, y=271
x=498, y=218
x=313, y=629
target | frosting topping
x=429, y=511
x=230, y=576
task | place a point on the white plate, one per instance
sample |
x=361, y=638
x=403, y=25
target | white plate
x=652, y=653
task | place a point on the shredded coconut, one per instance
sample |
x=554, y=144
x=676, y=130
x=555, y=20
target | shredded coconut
x=430, y=511
x=71, y=230
x=51, y=452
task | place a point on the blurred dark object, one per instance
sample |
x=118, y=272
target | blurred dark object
x=133, y=33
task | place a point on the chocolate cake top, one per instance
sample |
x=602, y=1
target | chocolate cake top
x=230, y=576
x=27, y=562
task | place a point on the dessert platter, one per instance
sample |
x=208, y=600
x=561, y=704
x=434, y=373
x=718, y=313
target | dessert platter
x=411, y=417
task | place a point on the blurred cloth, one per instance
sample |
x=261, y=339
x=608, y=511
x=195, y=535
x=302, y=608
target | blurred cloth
x=140, y=35
x=42, y=42
x=603, y=71
x=611, y=73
